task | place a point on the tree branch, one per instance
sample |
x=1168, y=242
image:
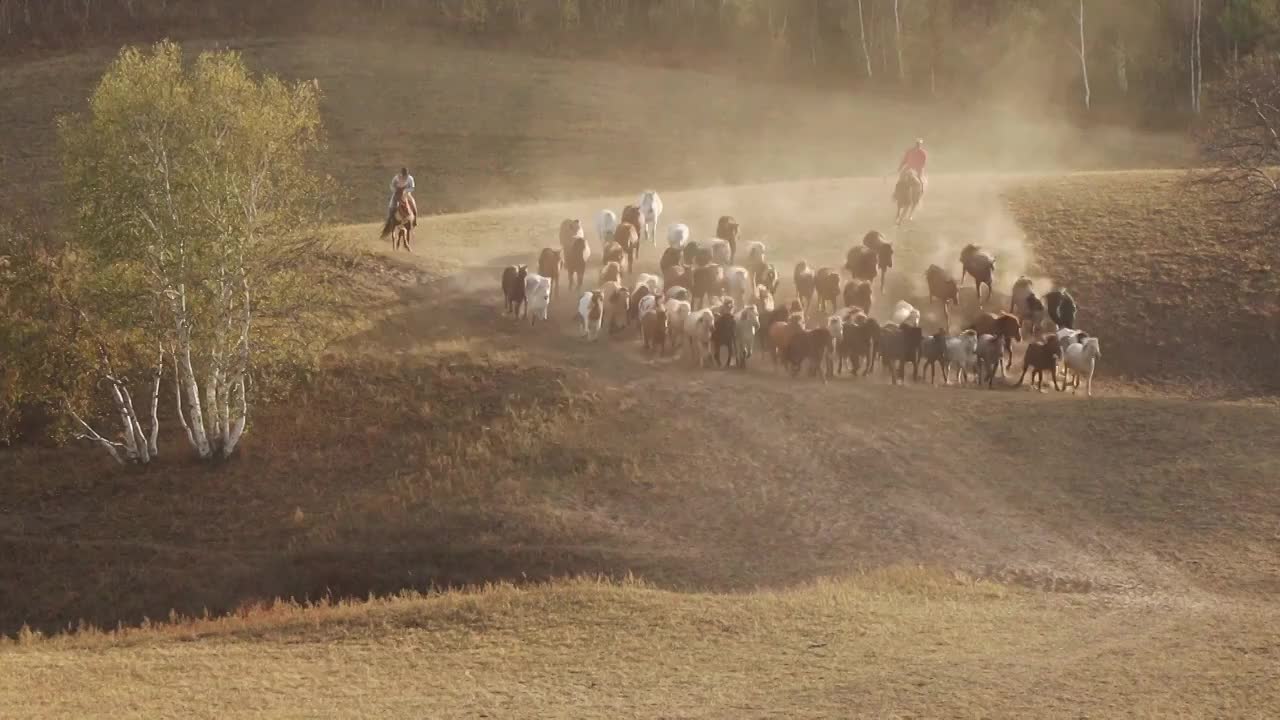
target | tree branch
x=91, y=434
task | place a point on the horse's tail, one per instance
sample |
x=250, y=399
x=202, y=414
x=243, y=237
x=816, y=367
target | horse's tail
x=388, y=226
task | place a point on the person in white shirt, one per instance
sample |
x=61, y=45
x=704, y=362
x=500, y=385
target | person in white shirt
x=403, y=181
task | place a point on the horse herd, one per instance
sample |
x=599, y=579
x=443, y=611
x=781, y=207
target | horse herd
x=706, y=301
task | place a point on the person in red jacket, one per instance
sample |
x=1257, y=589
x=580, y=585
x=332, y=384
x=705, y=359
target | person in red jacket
x=915, y=158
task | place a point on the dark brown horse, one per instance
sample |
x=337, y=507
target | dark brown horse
x=1004, y=326
x=883, y=248
x=980, y=264
x=575, y=262
x=943, y=287
x=908, y=193
x=627, y=236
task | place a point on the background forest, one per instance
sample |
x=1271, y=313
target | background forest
x=1145, y=60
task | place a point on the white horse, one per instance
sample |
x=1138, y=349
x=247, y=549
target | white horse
x=650, y=211
x=677, y=235
x=606, y=225
x=1082, y=359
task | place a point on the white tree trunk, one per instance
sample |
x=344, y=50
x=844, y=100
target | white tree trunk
x=140, y=448
x=862, y=30
x=1197, y=7
x=177, y=396
x=126, y=421
x=152, y=438
x=139, y=445
x=213, y=410
x=242, y=416
x=1122, y=67
x=235, y=426
x=1084, y=65
x=196, y=430
x=813, y=37
x=897, y=42
x=91, y=434
x=197, y=433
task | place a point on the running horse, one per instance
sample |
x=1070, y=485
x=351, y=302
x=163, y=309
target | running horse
x=399, y=226
x=908, y=193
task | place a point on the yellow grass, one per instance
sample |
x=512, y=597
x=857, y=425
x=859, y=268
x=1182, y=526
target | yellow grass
x=898, y=643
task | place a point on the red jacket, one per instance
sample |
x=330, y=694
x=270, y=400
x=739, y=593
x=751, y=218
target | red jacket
x=915, y=159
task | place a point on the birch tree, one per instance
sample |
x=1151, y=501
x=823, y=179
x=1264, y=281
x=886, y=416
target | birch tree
x=1197, y=7
x=194, y=187
x=897, y=43
x=856, y=6
x=61, y=359
x=1082, y=54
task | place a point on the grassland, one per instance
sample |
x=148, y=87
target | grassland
x=897, y=643
x=757, y=546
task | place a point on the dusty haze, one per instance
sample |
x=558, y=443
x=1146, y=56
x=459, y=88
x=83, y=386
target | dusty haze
x=482, y=129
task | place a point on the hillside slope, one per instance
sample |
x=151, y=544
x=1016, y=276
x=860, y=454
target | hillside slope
x=471, y=447
x=1180, y=289
x=481, y=129
x=447, y=444
x=1080, y=556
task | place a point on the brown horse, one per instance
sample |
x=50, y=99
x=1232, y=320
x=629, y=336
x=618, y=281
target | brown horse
x=943, y=287
x=399, y=225
x=883, y=249
x=908, y=193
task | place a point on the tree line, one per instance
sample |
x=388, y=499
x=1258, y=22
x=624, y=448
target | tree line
x=1145, y=57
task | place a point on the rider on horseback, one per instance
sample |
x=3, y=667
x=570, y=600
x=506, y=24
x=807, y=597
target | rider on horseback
x=909, y=189
x=403, y=182
x=915, y=158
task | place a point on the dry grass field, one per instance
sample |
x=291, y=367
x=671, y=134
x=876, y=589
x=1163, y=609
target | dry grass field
x=896, y=643
x=755, y=546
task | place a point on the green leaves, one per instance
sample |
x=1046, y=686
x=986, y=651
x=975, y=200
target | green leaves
x=194, y=193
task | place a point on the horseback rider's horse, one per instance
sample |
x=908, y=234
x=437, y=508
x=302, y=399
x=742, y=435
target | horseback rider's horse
x=399, y=225
x=907, y=194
